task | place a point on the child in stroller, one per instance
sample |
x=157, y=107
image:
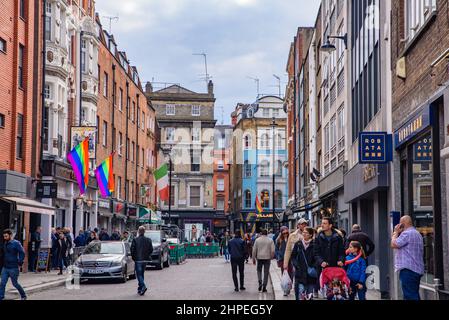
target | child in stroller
x=335, y=283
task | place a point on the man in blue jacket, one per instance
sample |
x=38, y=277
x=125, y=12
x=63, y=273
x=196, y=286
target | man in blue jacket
x=13, y=255
x=236, y=249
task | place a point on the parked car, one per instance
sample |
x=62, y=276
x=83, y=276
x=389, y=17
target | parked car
x=106, y=260
x=160, y=258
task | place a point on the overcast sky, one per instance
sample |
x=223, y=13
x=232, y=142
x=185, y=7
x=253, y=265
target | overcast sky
x=242, y=38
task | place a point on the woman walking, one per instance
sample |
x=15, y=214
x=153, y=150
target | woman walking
x=61, y=251
x=304, y=262
x=280, y=247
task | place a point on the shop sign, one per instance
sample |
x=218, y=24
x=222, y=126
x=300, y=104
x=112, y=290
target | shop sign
x=46, y=190
x=412, y=127
x=78, y=134
x=264, y=216
x=369, y=172
x=105, y=204
x=375, y=147
x=132, y=212
x=118, y=208
x=422, y=150
x=64, y=173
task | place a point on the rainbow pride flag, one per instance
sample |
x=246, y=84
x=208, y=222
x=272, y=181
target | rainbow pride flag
x=105, y=177
x=79, y=159
x=258, y=205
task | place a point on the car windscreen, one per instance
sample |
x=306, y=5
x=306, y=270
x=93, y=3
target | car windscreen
x=155, y=237
x=104, y=248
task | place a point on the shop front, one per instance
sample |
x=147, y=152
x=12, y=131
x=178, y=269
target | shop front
x=119, y=218
x=418, y=142
x=104, y=215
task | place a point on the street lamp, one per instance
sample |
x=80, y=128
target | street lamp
x=329, y=47
x=167, y=153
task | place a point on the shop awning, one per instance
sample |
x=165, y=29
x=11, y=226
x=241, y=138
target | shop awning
x=28, y=205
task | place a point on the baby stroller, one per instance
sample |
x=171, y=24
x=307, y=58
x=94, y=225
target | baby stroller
x=335, y=284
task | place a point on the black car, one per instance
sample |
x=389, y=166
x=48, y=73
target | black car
x=160, y=258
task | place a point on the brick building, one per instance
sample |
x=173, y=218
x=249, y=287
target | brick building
x=20, y=118
x=125, y=125
x=420, y=48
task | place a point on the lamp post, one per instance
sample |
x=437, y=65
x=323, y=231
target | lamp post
x=273, y=127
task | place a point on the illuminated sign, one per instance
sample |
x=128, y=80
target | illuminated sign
x=412, y=127
x=422, y=150
x=375, y=147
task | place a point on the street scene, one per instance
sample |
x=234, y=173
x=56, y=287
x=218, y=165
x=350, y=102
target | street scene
x=224, y=150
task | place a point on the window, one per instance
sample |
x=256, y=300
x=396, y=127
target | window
x=221, y=143
x=220, y=185
x=418, y=12
x=84, y=57
x=196, y=111
x=22, y=9
x=132, y=151
x=48, y=25
x=265, y=199
x=119, y=187
x=143, y=121
x=279, y=142
x=247, y=141
x=195, y=160
x=220, y=164
x=326, y=139
x=133, y=111
x=138, y=117
x=333, y=132
x=278, y=199
x=105, y=133
x=19, y=137
x=131, y=192
x=264, y=141
x=196, y=134
x=170, y=134
x=276, y=113
x=120, y=143
x=170, y=110
x=425, y=196
x=279, y=168
x=341, y=124
x=265, y=169
x=266, y=113
x=248, y=199
x=195, y=196
x=120, y=100
x=105, y=85
x=2, y=120
x=2, y=45
x=220, y=203
x=127, y=148
x=47, y=92
x=21, y=60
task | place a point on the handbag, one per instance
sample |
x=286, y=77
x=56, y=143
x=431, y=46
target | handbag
x=311, y=271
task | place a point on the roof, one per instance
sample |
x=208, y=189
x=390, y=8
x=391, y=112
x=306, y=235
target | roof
x=175, y=89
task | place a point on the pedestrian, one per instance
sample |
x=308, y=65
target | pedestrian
x=69, y=241
x=303, y=259
x=281, y=246
x=359, y=236
x=80, y=240
x=293, y=238
x=356, y=270
x=62, y=247
x=141, y=250
x=115, y=236
x=13, y=256
x=224, y=246
x=33, y=249
x=93, y=237
x=263, y=253
x=202, y=239
x=54, y=238
x=248, y=247
x=104, y=236
x=329, y=250
x=408, y=247
x=236, y=248
x=126, y=237
x=209, y=237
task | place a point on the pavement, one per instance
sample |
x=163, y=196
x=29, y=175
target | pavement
x=35, y=282
x=196, y=279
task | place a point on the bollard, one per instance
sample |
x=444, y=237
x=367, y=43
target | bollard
x=437, y=285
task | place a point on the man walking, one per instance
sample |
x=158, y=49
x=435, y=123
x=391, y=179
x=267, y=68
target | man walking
x=13, y=255
x=263, y=252
x=293, y=238
x=236, y=249
x=329, y=250
x=34, y=246
x=141, y=250
x=409, y=252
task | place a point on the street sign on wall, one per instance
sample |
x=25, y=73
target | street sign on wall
x=375, y=147
x=46, y=190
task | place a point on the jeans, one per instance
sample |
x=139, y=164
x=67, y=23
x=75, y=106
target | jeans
x=265, y=264
x=226, y=254
x=12, y=273
x=301, y=289
x=361, y=293
x=240, y=263
x=140, y=272
x=410, y=284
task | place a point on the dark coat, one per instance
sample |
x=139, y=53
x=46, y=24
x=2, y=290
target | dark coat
x=236, y=248
x=141, y=249
x=35, y=243
x=62, y=248
x=300, y=264
x=359, y=236
x=115, y=237
x=280, y=250
x=13, y=254
x=329, y=251
x=80, y=241
x=104, y=236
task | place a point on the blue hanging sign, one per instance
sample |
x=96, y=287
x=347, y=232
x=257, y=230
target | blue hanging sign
x=375, y=147
x=422, y=150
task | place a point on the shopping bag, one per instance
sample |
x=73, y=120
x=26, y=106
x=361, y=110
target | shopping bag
x=286, y=283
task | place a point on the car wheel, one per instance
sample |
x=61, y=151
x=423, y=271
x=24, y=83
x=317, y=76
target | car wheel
x=167, y=263
x=124, y=276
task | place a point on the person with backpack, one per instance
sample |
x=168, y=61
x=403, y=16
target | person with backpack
x=356, y=270
x=303, y=260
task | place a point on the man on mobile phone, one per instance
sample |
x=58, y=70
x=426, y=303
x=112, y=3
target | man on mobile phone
x=408, y=245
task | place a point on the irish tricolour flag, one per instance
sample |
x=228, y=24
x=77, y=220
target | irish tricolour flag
x=161, y=176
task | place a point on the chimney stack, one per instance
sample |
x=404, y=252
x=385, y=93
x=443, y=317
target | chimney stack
x=148, y=87
x=210, y=87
